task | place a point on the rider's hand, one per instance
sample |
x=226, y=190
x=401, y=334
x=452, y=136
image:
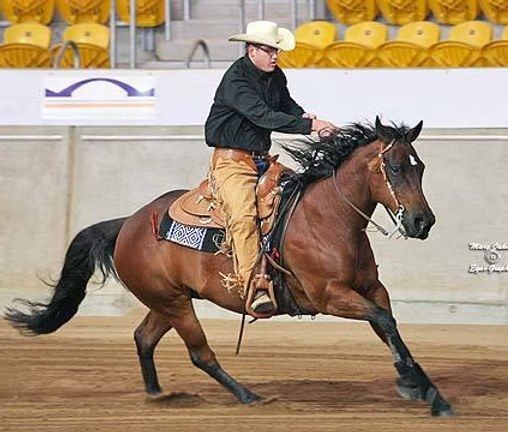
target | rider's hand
x=309, y=115
x=323, y=127
x=327, y=132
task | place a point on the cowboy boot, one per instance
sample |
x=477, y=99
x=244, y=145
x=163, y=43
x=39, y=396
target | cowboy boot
x=262, y=303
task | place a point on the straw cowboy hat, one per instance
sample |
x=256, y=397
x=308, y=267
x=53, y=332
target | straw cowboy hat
x=267, y=33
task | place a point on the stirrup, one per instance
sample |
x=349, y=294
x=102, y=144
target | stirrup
x=261, y=282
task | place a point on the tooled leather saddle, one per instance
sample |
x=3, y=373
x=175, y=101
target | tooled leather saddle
x=197, y=207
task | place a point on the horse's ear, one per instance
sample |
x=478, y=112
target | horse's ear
x=412, y=134
x=383, y=132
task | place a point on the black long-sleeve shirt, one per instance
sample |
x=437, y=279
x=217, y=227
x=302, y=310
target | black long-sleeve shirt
x=249, y=104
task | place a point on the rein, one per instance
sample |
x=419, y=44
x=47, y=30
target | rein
x=397, y=217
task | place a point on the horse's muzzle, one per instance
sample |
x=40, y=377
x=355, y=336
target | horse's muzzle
x=419, y=225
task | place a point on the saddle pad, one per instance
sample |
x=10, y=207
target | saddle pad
x=198, y=238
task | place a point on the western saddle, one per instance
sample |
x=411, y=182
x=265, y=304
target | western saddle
x=197, y=207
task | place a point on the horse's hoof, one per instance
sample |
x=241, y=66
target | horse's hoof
x=442, y=409
x=250, y=399
x=444, y=413
x=153, y=397
x=407, y=391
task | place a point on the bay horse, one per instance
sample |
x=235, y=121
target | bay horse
x=326, y=248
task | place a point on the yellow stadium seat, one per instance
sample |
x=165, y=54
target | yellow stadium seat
x=316, y=33
x=410, y=49
x=464, y=45
x=84, y=11
x=421, y=33
x=370, y=34
x=403, y=11
x=475, y=33
x=26, y=46
x=358, y=48
x=311, y=39
x=150, y=13
x=353, y=11
x=495, y=10
x=19, y=11
x=92, y=34
x=92, y=41
x=495, y=53
x=304, y=55
x=454, y=11
x=24, y=56
x=28, y=33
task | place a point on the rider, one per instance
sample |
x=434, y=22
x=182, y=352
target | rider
x=251, y=101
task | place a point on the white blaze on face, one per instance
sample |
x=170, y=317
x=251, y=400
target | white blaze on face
x=412, y=160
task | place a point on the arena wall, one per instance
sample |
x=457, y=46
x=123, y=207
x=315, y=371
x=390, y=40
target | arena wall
x=56, y=180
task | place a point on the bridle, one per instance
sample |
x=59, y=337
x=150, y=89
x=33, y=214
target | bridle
x=399, y=214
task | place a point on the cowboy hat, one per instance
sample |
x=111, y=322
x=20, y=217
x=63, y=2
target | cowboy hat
x=267, y=33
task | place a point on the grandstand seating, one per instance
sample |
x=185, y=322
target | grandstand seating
x=26, y=46
x=454, y=11
x=495, y=53
x=150, y=13
x=84, y=11
x=403, y=11
x=463, y=47
x=92, y=41
x=353, y=11
x=19, y=11
x=358, y=48
x=495, y=10
x=410, y=49
x=417, y=43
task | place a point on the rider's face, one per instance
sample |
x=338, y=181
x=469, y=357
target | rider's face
x=264, y=57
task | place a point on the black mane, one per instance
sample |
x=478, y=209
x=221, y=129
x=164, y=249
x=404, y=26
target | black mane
x=319, y=160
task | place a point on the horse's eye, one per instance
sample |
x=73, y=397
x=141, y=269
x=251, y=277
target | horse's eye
x=394, y=168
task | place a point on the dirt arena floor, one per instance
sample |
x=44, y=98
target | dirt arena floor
x=316, y=377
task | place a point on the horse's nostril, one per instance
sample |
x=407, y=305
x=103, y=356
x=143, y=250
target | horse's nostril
x=418, y=223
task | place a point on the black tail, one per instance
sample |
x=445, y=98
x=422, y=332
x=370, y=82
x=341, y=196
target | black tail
x=92, y=248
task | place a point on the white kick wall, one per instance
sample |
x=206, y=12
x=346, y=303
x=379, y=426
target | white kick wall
x=458, y=98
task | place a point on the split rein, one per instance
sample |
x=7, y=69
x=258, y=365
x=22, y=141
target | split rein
x=397, y=217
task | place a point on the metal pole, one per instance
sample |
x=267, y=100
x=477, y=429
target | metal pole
x=112, y=34
x=294, y=14
x=312, y=10
x=242, y=23
x=167, y=22
x=261, y=9
x=186, y=10
x=132, y=33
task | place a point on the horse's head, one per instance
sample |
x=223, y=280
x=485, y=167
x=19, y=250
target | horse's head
x=396, y=179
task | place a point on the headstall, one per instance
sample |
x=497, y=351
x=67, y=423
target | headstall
x=399, y=214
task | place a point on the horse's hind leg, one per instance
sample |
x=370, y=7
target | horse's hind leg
x=185, y=322
x=147, y=336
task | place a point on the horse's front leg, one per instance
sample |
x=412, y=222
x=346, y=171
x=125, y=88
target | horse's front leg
x=408, y=385
x=341, y=300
